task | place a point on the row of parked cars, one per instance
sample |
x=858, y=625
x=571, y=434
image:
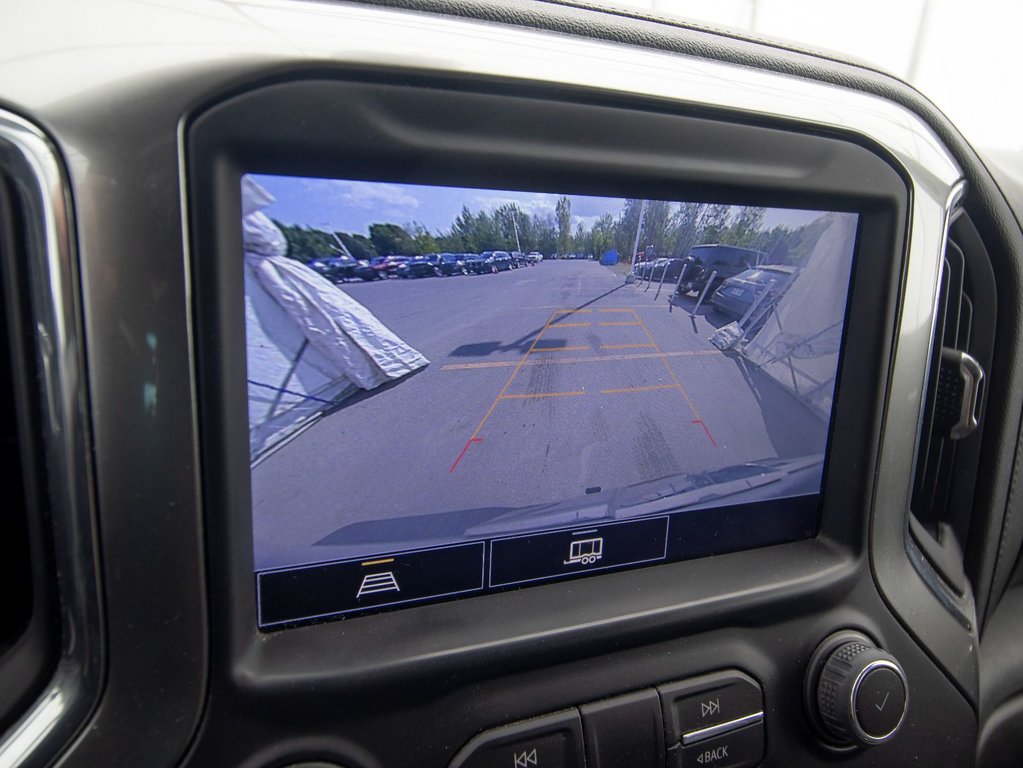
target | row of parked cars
x=342, y=268
x=736, y=276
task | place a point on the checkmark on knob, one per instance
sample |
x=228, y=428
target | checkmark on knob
x=880, y=707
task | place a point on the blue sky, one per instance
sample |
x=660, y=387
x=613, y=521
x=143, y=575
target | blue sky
x=351, y=206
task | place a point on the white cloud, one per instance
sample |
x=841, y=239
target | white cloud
x=528, y=203
x=586, y=221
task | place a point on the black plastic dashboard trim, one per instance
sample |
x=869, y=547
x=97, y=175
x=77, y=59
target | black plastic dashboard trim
x=515, y=632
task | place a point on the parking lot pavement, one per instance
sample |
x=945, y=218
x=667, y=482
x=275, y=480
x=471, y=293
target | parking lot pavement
x=545, y=383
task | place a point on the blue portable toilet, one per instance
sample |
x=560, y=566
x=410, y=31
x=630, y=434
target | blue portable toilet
x=610, y=258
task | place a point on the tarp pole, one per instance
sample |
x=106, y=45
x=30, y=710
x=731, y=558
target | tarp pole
x=756, y=303
x=678, y=285
x=287, y=380
x=703, y=294
x=664, y=273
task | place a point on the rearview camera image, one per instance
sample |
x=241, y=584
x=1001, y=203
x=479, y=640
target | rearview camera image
x=456, y=390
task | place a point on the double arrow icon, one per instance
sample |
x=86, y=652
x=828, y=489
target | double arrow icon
x=526, y=759
x=710, y=707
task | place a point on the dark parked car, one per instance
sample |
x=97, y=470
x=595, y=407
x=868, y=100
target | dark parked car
x=645, y=270
x=496, y=261
x=502, y=261
x=736, y=294
x=719, y=261
x=336, y=269
x=476, y=263
x=452, y=264
x=374, y=269
x=669, y=269
x=420, y=266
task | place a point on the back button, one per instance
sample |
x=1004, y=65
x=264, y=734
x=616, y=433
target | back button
x=554, y=741
x=737, y=749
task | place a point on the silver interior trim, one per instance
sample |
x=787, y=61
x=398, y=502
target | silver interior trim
x=28, y=158
x=694, y=737
x=857, y=728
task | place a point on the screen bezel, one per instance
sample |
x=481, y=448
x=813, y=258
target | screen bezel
x=308, y=128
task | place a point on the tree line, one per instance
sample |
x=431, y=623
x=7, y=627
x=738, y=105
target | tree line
x=669, y=229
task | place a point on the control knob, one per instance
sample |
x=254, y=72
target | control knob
x=861, y=691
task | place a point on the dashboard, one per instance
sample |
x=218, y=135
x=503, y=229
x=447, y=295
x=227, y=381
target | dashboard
x=617, y=393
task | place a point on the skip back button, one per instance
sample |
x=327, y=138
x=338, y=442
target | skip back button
x=554, y=741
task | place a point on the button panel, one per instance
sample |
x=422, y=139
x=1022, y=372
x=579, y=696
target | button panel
x=711, y=721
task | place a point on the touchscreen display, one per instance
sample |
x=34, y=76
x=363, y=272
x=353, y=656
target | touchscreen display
x=455, y=391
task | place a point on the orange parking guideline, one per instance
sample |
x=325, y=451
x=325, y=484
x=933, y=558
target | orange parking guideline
x=671, y=372
x=532, y=395
x=651, y=388
x=575, y=360
x=572, y=325
x=626, y=346
x=555, y=349
x=474, y=438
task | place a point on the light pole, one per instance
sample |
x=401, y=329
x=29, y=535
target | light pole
x=341, y=246
x=639, y=231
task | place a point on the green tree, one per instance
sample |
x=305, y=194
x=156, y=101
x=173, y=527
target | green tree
x=685, y=223
x=713, y=223
x=625, y=229
x=657, y=227
x=563, y=213
x=306, y=244
x=602, y=235
x=745, y=226
x=423, y=241
x=391, y=239
x=544, y=227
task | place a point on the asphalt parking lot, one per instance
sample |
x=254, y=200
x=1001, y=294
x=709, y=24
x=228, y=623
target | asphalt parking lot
x=544, y=383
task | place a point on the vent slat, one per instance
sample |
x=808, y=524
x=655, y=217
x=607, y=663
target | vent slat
x=948, y=452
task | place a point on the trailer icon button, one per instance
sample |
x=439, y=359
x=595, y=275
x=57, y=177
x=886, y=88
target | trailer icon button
x=575, y=551
x=585, y=551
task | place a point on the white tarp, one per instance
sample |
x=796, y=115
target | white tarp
x=309, y=344
x=798, y=345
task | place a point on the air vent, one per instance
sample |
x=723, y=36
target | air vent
x=951, y=429
x=27, y=643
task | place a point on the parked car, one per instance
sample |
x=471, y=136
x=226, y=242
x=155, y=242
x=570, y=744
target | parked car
x=452, y=264
x=520, y=259
x=336, y=268
x=671, y=269
x=534, y=257
x=476, y=263
x=374, y=269
x=420, y=266
x=716, y=262
x=656, y=267
x=737, y=294
x=643, y=269
x=502, y=261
